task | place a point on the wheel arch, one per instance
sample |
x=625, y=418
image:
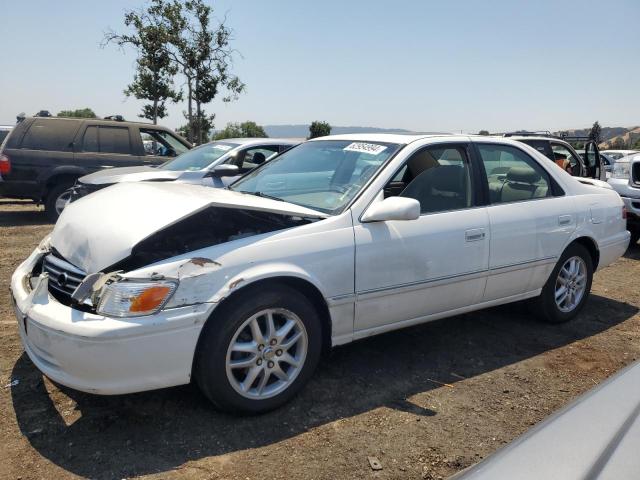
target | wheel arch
x=592, y=247
x=298, y=282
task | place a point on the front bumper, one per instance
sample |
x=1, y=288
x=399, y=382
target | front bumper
x=103, y=355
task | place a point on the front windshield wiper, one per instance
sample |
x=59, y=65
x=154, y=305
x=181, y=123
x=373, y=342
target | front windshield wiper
x=264, y=195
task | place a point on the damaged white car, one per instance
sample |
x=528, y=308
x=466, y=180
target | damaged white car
x=143, y=286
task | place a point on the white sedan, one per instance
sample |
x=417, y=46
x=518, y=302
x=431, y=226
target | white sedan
x=147, y=285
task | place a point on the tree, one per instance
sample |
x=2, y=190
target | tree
x=241, y=130
x=484, y=132
x=77, y=113
x=319, y=129
x=155, y=70
x=204, y=58
x=595, y=133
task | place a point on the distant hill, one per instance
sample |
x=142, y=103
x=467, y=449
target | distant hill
x=606, y=134
x=302, y=131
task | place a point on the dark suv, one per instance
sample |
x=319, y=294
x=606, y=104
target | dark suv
x=42, y=157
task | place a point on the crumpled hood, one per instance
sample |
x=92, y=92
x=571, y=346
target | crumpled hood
x=129, y=174
x=101, y=229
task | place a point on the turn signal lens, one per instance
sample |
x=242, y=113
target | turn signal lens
x=624, y=213
x=129, y=298
x=149, y=299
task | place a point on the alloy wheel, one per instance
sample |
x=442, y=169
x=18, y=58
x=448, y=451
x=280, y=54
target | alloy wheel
x=266, y=353
x=571, y=284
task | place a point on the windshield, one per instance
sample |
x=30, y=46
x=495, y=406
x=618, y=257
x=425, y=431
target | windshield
x=323, y=175
x=199, y=158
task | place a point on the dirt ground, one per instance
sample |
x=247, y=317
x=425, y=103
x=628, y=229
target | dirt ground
x=426, y=401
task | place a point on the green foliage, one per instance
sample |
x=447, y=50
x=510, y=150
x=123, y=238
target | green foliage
x=319, y=129
x=618, y=144
x=175, y=37
x=153, y=78
x=241, y=130
x=77, y=113
x=484, y=132
x=636, y=146
x=596, y=132
x=204, y=57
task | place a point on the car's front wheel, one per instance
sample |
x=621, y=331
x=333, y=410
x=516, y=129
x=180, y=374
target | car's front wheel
x=259, y=349
x=568, y=286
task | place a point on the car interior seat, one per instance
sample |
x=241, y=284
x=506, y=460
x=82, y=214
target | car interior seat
x=439, y=188
x=522, y=183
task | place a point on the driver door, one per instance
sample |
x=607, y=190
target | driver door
x=407, y=270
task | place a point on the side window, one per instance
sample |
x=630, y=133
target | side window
x=50, y=134
x=438, y=177
x=90, y=140
x=159, y=143
x=115, y=140
x=257, y=156
x=513, y=175
x=565, y=159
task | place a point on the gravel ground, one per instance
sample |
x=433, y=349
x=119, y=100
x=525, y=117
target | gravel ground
x=426, y=401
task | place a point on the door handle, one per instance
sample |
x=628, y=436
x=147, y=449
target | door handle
x=564, y=220
x=474, y=235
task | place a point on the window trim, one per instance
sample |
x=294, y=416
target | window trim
x=476, y=197
x=556, y=189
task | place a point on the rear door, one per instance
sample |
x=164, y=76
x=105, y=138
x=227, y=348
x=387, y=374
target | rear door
x=530, y=218
x=105, y=146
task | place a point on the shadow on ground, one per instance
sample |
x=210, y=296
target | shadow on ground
x=154, y=432
x=21, y=213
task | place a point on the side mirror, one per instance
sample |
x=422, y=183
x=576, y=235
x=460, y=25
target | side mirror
x=393, y=208
x=224, y=170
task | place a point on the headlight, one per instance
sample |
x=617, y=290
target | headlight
x=621, y=170
x=131, y=299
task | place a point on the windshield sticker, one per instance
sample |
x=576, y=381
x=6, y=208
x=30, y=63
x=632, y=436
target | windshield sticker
x=370, y=148
x=224, y=148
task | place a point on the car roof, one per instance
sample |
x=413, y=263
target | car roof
x=399, y=138
x=534, y=137
x=262, y=140
x=102, y=121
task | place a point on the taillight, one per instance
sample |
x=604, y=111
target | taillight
x=624, y=213
x=5, y=165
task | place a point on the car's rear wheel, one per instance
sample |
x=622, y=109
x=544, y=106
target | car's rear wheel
x=568, y=287
x=258, y=350
x=57, y=199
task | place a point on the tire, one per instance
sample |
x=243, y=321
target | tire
x=564, y=310
x=56, y=193
x=230, y=327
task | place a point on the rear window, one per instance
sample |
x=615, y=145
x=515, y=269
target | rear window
x=50, y=135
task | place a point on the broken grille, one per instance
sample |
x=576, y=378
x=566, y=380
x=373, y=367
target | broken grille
x=64, y=277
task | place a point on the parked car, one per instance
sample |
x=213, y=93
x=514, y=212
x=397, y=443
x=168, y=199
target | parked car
x=616, y=154
x=200, y=165
x=560, y=151
x=147, y=285
x=4, y=132
x=43, y=156
x=625, y=179
x=596, y=436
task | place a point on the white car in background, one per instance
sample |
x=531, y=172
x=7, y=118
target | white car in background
x=625, y=179
x=148, y=285
x=215, y=164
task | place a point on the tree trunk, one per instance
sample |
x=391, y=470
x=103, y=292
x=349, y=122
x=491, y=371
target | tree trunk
x=190, y=109
x=198, y=116
x=155, y=111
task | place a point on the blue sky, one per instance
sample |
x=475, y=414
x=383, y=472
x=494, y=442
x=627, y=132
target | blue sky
x=420, y=65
